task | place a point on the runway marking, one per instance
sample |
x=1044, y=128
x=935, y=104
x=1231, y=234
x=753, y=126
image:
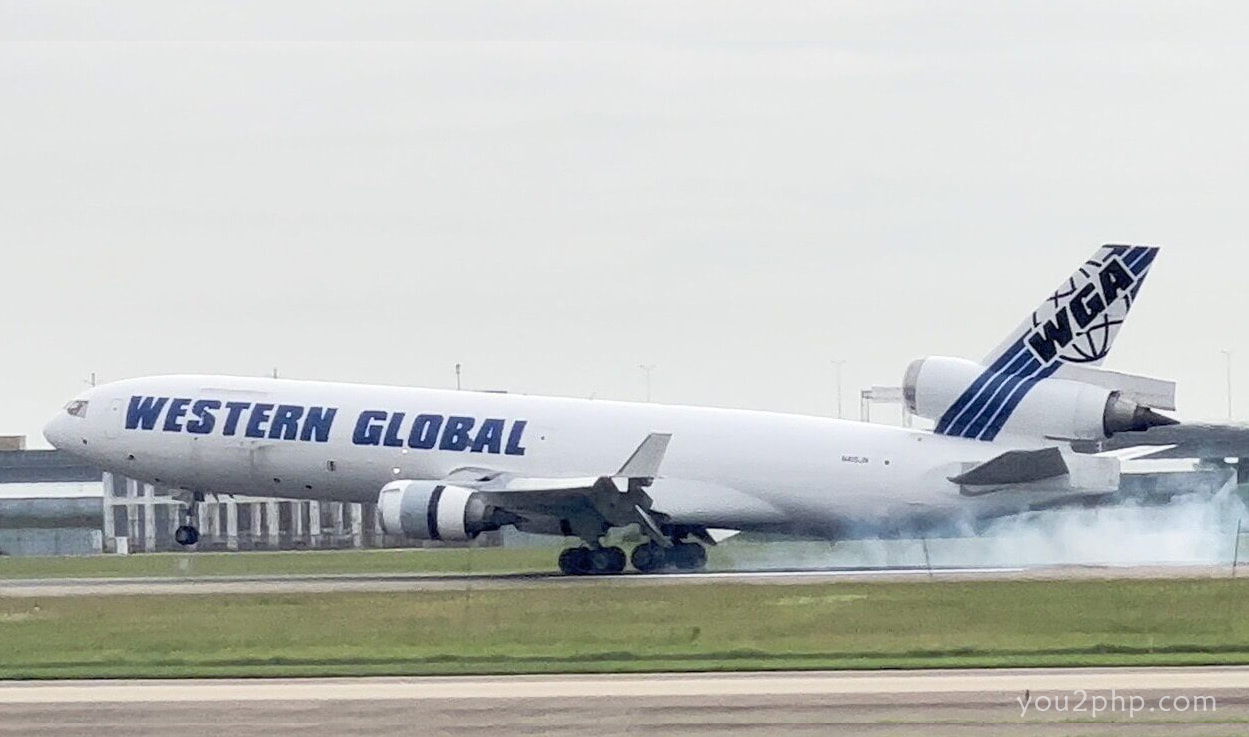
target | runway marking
x=817, y=573
x=630, y=686
x=399, y=583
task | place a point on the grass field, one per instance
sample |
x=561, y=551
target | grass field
x=634, y=628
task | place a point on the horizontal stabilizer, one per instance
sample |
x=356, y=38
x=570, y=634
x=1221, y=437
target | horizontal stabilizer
x=1015, y=467
x=1144, y=390
x=1135, y=452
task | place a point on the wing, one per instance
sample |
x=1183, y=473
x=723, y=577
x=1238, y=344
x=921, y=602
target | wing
x=585, y=506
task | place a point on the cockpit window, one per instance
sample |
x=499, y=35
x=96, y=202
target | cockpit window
x=77, y=408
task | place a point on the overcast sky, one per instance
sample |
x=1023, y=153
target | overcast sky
x=553, y=193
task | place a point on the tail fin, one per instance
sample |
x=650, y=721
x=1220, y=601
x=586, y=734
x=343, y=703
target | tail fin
x=1077, y=324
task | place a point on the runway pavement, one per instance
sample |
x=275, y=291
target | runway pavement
x=933, y=703
x=435, y=582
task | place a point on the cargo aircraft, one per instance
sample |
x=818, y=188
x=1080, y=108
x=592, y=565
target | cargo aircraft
x=449, y=465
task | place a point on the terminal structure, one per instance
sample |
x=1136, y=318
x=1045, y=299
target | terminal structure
x=51, y=504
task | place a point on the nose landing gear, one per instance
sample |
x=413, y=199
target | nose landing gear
x=187, y=534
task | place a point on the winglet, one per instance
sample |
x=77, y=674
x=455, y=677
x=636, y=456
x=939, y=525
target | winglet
x=644, y=463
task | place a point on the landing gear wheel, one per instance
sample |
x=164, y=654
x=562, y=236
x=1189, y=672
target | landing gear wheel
x=186, y=535
x=688, y=556
x=619, y=560
x=649, y=557
x=607, y=560
x=575, y=561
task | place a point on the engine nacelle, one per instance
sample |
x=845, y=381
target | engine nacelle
x=1054, y=408
x=427, y=510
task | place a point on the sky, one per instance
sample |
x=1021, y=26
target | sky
x=554, y=194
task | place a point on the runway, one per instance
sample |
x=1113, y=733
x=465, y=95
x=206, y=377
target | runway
x=51, y=587
x=934, y=703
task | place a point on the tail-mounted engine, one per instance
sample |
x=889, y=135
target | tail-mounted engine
x=969, y=400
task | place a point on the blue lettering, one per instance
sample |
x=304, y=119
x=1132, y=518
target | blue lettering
x=177, y=410
x=202, y=412
x=1050, y=336
x=143, y=412
x=1115, y=280
x=392, y=431
x=233, y=411
x=256, y=423
x=424, y=433
x=286, y=422
x=317, y=424
x=514, y=448
x=368, y=433
x=1086, y=305
x=489, y=437
x=455, y=437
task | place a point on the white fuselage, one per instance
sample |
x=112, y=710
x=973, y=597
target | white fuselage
x=724, y=468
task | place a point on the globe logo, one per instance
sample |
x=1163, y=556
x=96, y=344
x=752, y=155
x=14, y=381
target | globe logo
x=1091, y=342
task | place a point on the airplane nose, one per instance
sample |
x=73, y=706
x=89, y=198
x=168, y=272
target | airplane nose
x=55, y=432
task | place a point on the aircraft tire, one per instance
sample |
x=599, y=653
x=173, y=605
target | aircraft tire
x=607, y=560
x=576, y=562
x=648, y=558
x=689, y=556
x=186, y=535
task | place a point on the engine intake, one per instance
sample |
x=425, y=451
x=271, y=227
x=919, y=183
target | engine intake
x=427, y=510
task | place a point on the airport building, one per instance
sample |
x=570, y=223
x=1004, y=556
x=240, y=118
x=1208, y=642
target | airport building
x=51, y=504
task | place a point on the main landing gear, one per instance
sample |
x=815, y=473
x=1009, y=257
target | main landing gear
x=591, y=561
x=649, y=557
x=187, y=534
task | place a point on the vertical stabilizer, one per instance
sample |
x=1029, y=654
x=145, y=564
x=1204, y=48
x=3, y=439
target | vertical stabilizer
x=1077, y=324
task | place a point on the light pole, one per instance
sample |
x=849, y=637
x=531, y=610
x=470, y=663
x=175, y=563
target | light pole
x=1227, y=354
x=837, y=372
x=647, y=369
x=457, y=377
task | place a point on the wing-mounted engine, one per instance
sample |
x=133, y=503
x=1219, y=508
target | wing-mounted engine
x=969, y=400
x=428, y=510
x=471, y=501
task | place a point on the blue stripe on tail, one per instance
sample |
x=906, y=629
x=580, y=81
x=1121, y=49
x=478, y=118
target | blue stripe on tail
x=991, y=392
x=994, y=407
x=1016, y=397
x=1139, y=265
x=951, y=414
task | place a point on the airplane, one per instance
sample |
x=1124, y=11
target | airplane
x=449, y=464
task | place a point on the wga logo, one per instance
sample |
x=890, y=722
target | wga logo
x=1081, y=327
